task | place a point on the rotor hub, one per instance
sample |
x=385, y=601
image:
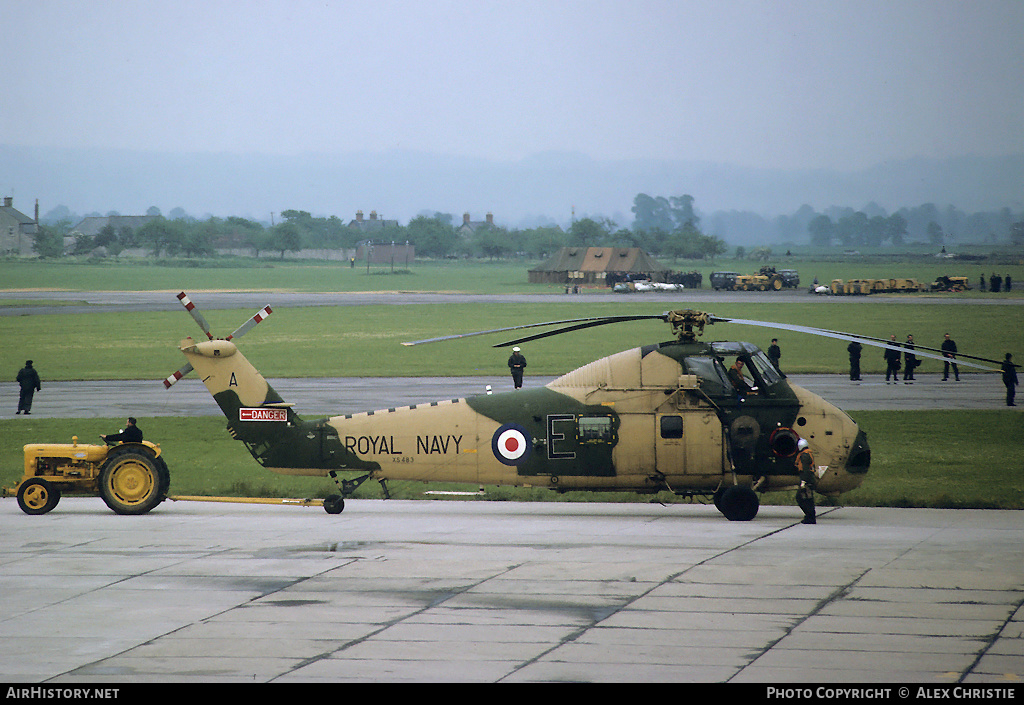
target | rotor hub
x=688, y=324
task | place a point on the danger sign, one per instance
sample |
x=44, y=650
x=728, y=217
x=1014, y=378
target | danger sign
x=262, y=414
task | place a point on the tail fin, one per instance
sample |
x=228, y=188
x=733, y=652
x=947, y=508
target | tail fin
x=257, y=415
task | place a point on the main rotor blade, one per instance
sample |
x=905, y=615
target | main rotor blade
x=198, y=317
x=258, y=318
x=609, y=319
x=846, y=336
x=957, y=355
x=589, y=324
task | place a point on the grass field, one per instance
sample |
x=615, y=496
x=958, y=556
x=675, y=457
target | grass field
x=470, y=276
x=356, y=341
x=919, y=459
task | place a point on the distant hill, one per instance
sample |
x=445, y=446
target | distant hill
x=543, y=188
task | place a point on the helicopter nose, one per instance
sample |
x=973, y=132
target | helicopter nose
x=860, y=455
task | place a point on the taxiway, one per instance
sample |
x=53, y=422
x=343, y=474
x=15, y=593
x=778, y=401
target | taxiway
x=480, y=591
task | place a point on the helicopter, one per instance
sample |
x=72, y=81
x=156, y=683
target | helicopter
x=670, y=416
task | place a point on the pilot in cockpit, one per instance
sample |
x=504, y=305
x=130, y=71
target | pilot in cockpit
x=739, y=380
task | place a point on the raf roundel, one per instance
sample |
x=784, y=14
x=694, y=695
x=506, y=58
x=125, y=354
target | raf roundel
x=511, y=444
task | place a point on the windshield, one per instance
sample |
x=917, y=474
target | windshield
x=757, y=369
x=765, y=368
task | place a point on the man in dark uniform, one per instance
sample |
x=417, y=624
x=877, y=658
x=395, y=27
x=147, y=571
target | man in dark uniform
x=130, y=434
x=909, y=360
x=775, y=354
x=949, y=352
x=28, y=379
x=808, y=479
x=854, y=348
x=516, y=363
x=892, y=360
x=1010, y=379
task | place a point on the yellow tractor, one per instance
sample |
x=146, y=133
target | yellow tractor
x=751, y=282
x=132, y=478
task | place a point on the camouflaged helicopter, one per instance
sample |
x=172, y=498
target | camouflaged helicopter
x=661, y=417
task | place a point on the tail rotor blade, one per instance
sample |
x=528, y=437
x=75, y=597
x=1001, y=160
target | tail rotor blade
x=260, y=316
x=191, y=308
x=177, y=375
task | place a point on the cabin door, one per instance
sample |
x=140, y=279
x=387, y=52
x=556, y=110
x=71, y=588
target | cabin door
x=689, y=443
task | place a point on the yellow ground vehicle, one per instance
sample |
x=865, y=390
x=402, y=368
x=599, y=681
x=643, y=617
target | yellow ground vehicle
x=945, y=283
x=132, y=478
x=751, y=282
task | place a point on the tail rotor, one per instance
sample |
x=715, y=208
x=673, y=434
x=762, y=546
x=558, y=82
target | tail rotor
x=258, y=318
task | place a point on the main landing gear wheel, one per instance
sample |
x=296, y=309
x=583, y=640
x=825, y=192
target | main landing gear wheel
x=37, y=496
x=334, y=504
x=738, y=503
x=133, y=482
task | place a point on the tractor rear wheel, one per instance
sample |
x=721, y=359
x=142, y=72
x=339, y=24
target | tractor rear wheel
x=37, y=496
x=133, y=482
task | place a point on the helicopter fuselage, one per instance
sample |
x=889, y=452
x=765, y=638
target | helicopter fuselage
x=661, y=417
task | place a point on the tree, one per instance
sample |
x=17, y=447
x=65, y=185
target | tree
x=544, y=241
x=896, y=228
x=493, y=242
x=285, y=237
x=161, y=235
x=587, y=232
x=1017, y=233
x=681, y=208
x=822, y=230
x=48, y=241
x=197, y=239
x=432, y=236
x=652, y=213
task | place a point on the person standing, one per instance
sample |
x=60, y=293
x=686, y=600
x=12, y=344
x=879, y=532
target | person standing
x=892, y=360
x=909, y=360
x=28, y=379
x=854, y=348
x=516, y=364
x=775, y=354
x=804, y=462
x=1010, y=379
x=949, y=352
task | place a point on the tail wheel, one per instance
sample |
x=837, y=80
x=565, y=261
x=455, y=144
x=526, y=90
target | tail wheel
x=133, y=483
x=37, y=496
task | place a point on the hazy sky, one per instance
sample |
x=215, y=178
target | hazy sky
x=761, y=83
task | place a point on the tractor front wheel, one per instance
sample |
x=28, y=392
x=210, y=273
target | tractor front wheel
x=37, y=496
x=133, y=483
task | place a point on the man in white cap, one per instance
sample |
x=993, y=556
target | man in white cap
x=516, y=363
x=805, y=469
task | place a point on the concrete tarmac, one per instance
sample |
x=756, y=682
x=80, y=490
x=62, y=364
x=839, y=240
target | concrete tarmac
x=318, y=397
x=480, y=591
x=75, y=302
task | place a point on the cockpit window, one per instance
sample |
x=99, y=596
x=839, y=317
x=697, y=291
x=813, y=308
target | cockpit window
x=765, y=368
x=713, y=379
x=754, y=359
